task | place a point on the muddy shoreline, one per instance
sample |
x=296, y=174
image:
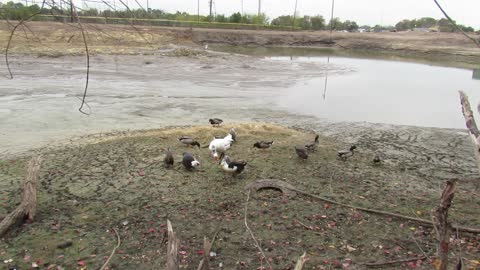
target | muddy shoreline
x=56, y=39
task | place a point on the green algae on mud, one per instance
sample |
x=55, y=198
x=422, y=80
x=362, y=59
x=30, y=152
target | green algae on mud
x=119, y=182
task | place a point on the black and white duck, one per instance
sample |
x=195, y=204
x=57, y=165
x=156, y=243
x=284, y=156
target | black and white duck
x=215, y=121
x=231, y=166
x=168, y=160
x=301, y=152
x=311, y=146
x=345, y=154
x=263, y=144
x=188, y=141
x=189, y=162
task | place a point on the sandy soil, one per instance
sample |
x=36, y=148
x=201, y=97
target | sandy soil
x=54, y=39
x=118, y=181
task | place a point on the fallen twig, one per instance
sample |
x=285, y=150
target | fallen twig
x=394, y=262
x=307, y=227
x=251, y=233
x=301, y=261
x=113, y=251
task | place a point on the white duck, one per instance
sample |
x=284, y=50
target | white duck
x=218, y=147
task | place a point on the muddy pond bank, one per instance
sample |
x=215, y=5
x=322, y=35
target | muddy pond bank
x=117, y=181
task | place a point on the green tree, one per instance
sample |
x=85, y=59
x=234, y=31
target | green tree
x=235, y=18
x=318, y=22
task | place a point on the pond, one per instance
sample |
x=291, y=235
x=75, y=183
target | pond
x=380, y=91
x=39, y=106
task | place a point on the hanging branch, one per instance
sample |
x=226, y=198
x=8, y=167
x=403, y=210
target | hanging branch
x=7, y=62
x=87, y=55
x=455, y=24
x=471, y=125
x=133, y=26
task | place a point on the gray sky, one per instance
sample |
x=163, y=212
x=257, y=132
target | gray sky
x=363, y=11
x=371, y=12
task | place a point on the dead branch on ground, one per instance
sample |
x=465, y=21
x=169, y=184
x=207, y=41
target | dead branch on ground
x=379, y=264
x=172, y=248
x=442, y=226
x=251, y=233
x=113, y=251
x=301, y=261
x=471, y=125
x=26, y=209
x=373, y=211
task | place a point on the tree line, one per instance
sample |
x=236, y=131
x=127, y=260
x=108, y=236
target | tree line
x=17, y=11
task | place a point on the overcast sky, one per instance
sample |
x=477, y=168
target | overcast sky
x=362, y=11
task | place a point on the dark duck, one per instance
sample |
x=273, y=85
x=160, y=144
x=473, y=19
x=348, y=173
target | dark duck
x=263, y=144
x=189, y=162
x=215, y=121
x=301, y=152
x=188, y=141
x=345, y=154
x=168, y=160
x=312, y=146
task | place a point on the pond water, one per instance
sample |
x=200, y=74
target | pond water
x=381, y=91
x=39, y=106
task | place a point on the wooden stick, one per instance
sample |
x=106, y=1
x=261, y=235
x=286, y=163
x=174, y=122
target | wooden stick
x=301, y=261
x=471, y=125
x=113, y=251
x=441, y=224
x=27, y=208
x=207, y=247
x=172, y=248
x=394, y=262
x=379, y=212
x=251, y=233
x=308, y=227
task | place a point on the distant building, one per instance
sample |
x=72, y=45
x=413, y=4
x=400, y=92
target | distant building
x=421, y=29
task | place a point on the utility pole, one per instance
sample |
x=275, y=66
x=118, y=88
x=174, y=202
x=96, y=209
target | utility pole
x=148, y=7
x=71, y=11
x=211, y=15
x=198, y=10
x=294, y=14
x=259, y=7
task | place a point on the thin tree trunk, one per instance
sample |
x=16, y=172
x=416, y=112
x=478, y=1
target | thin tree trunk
x=471, y=125
x=442, y=226
x=27, y=208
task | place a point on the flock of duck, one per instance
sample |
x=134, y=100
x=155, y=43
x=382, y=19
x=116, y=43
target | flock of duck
x=219, y=145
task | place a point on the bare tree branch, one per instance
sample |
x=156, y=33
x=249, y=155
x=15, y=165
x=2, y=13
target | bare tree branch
x=455, y=24
x=13, y=32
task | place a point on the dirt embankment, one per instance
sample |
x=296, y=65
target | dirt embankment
x=59, y=39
